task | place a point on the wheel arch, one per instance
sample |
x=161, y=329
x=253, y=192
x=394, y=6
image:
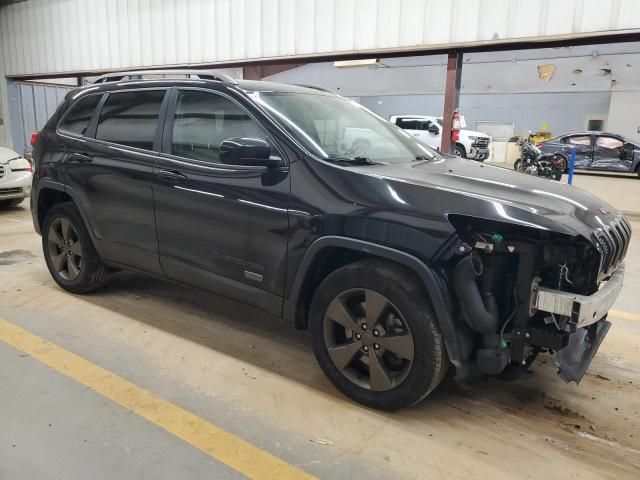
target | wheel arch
x=463, y=148
x=50, y=194
x=311, y=271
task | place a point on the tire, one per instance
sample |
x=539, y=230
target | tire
x=14, y=202
x=80, y=270
x=407, y=311
x=565, y=168
x=460, y=151
x=516, y=165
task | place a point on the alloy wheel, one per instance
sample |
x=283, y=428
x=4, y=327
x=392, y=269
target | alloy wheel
x=368, y=339
x=65, y=249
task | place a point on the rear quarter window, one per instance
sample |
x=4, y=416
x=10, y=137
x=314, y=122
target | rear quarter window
x=79, y=116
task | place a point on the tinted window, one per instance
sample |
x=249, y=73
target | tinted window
x=202, y=121
x=407, y=123
x=78, y=118
x=130, y=118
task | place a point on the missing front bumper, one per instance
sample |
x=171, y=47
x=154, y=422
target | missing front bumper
x=574, y=359
x=583, y=310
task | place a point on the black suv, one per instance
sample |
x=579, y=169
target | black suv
x=401, y=261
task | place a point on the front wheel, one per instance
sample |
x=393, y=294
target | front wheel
x=69, y=252
x=375, y=335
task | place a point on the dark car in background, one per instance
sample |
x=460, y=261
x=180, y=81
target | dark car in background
x=597, y=151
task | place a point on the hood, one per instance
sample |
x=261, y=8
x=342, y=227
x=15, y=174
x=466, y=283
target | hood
x=474, y=133
x=7, y=154
x=458, y=186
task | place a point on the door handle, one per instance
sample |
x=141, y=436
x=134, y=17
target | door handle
x=172, y=175
x=81, y=158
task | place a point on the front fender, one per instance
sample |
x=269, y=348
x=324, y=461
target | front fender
x=459, y=345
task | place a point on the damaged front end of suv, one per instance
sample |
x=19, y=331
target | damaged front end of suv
x=523, y=291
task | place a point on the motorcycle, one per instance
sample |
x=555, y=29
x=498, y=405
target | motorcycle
x=533, y=162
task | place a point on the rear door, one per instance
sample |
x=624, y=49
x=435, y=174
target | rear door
x=223, y=228
x=584, y=149
x=608, y=154
x=109, y=173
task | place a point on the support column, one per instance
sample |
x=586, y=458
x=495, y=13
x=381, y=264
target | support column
x=451, y=98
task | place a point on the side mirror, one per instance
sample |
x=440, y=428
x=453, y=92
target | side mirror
x=434, y=129
x=253, y=152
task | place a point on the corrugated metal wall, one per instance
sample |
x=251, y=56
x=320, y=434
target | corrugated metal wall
x=53, y=36
x=31, y=105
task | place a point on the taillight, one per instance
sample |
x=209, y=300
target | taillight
x=34, y=138
x=538, y=145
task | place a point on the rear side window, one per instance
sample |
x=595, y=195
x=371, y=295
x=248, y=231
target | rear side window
x=202, y=121
x=78, y=118
x=130, y=118
x=579, y=140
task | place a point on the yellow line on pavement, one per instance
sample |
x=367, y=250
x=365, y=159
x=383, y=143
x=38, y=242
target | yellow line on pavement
x=229, y=449
x=624, y=315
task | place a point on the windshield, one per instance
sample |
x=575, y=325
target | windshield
x=335, y=128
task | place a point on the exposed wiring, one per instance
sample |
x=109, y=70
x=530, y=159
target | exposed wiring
x=564, y=271
x=511, y=315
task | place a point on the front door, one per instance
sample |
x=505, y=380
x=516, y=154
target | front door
x=583, y=147
x=223, y=228
x=609, y=154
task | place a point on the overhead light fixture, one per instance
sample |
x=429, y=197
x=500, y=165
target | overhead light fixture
x=367, y=62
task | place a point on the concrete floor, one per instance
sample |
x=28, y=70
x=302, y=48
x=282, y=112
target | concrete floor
x=256, y=378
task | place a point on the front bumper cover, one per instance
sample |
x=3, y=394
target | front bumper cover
x=583, y=310
x=574, y=359
x=478, y=153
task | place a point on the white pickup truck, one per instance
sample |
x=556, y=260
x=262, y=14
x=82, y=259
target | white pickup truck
x=473, y=145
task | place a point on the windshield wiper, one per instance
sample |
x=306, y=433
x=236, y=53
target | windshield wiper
x=354, y=160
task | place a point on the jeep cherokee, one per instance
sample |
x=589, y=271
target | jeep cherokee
x=400, y=260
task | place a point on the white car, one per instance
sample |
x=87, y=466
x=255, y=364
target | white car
x=15, y=178
x=473, y=145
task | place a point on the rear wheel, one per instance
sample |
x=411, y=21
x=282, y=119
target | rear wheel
x=375, y=336
x=69, y=252
x=517, y=166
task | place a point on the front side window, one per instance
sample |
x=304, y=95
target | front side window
x=335, y=128
x=407, y=123
x=203, y=120
x=78, y=119
x=131, y=118
x=609, y=142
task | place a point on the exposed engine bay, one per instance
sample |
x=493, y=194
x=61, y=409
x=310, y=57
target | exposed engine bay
x=521, y=292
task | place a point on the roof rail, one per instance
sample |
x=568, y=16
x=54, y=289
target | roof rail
x=314, y=87
x=189, y=73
